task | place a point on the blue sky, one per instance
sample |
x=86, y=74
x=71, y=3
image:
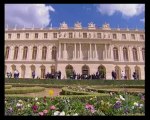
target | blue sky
x=129, y=15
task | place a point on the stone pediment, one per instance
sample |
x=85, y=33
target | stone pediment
x=106, y=26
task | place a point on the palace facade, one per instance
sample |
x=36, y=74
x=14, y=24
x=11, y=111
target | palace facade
x=84, y=50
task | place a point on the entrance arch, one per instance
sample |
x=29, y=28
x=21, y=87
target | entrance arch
x=128, y=72
x=13, y=69
x=23, y=68
x=85, y=70
x=42, y=71
x=118, y=72
x=32, y=69
x=69, y=70
x=138, y=71
x=102, y=70
x=53, y=69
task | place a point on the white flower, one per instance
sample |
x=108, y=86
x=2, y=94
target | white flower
x=62, y=113
x=56, y=113
x=121, y=97
x=76, y=114
x=29, y=105
x=135, y=104
x=38, y=103
x=18, y=105
x=141, y=105
x=36, y=98
x=20, y=101
x=132, y=107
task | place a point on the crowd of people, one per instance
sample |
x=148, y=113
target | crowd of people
x=97, y=75
x=124, y=76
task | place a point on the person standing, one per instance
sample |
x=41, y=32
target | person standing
x=122, y=75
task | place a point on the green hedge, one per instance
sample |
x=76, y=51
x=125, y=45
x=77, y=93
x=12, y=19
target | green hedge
x=23, y=90
x=115, y=91
x=76, y=82
x=66, y=91
x=8, y=86
x=32, y=85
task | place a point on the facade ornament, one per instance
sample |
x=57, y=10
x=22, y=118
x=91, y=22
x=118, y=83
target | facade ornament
x=127, y=28
x=78, y=25
x=63, y=25
x=118, y=28
x=136, y=29
x=91, y=25
x=106, y=26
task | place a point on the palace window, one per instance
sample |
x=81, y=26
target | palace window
x=98, y=35
x=18, y=35
x=45, y=35
x=34, y=53
x=115, y=52
x=135, y=56
x=27, y=35
x=133, y=36
x=70, y=35
x=55, y=35
x=142, y=37
x=9, y=36
x=25, y=50
x=7, y=52
x=143, y=53
x=54, y=53
x=36, y=35
x=125, y=54
x=114, y=36
x=123, y=36
x=44, y=52
x=16, y=53
x=84, y=35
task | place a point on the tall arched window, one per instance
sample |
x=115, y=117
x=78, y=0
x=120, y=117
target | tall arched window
x=69, y=71
x=118, y=72
x=34, y=53
x=85, y=70
x=54, y=53
x=7, y=52
x=125, y=54
x=115, y=52
x=102, y=71
x=53, y=70
x=43, y=70
x=135, y=57
x=25, y=50
x=44, y=52
x=23, y=70
x=128, y=72
x=16, y=53
x=143, y=53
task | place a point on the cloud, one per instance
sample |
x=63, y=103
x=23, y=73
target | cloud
x=142, y=20
x=27, y=15
x=127, y=10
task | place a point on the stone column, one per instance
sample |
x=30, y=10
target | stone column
x=90, y=55
x=130, y=55
x=121, y=53
x=111, y=53
x=105, y=51
x=95, y=52
x=80, y=51
x=75, y=51
x=49, y=52
x=20, y=53
x=11, y=53
x=59, y=51
x=65, y=52
x=39, y=52
x=139, y=52
x=29, y=53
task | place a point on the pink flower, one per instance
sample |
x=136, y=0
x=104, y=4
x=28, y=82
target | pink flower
x=34, y=108
x=52, y=107
x=89, y=107
x=41, y=113
x=45, y=111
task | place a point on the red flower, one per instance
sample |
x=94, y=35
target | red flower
x=52, y=107
x=34, y=108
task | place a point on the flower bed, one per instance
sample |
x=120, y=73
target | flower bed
x=23, y=90
x=112, y=105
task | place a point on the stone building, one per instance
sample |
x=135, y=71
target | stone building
x=84, y=50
